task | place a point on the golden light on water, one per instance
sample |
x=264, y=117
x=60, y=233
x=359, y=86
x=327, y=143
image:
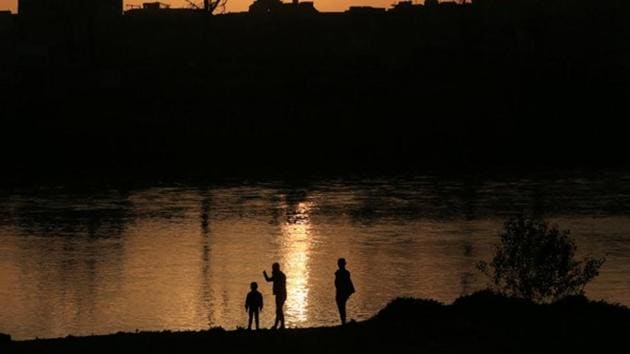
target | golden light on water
x=180, y=259
x=295, y=253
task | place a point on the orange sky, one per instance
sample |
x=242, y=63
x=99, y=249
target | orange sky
x=241, y=5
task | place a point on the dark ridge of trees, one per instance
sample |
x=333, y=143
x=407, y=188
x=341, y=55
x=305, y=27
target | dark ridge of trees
x=496, y=82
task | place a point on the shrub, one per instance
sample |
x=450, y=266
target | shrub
x=536, y=261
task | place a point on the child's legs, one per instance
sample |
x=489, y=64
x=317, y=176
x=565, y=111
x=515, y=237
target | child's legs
x=256, y=318
x=249, y=323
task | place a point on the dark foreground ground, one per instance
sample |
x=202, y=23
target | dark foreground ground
x=480, y=323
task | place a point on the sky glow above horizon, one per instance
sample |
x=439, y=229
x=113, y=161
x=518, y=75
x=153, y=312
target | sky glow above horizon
x=242, y=5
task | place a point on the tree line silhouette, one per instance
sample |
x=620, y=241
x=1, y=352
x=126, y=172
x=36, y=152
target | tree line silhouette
x=493, y=82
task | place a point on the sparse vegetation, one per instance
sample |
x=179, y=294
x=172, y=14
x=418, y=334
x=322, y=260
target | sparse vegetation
x=537, y=261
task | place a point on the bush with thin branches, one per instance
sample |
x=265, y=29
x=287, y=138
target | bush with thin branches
x=537, y=261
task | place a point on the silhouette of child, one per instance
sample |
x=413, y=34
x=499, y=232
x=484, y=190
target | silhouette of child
x=344, y=288
x=253, y=304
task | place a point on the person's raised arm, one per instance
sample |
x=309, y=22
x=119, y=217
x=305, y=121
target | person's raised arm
x=267, y=278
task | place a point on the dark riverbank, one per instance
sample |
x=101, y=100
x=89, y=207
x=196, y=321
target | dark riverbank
x=497, y=82
x=480, y=323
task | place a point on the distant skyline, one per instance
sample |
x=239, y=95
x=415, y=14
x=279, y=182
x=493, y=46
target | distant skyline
x=243, y=5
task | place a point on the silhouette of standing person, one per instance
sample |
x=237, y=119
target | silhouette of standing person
x=253, y=304
x=279, y=290
x=344, y=287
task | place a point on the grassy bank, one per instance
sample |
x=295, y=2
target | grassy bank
x=480, y=323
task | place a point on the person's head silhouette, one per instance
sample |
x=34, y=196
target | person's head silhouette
x=341, y=262
x=253, y=285
x=275, y=267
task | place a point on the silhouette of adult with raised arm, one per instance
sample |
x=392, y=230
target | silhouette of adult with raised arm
x=253, y=304
x=279, y=290
x=344, y=287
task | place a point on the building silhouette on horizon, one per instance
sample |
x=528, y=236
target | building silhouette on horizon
x=86, y=10
x=70, y=8
x=261, y=7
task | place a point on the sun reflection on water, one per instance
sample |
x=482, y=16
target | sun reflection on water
x=183, y=258
x=295, y=253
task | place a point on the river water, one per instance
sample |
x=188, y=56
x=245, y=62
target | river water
x=179, y=256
